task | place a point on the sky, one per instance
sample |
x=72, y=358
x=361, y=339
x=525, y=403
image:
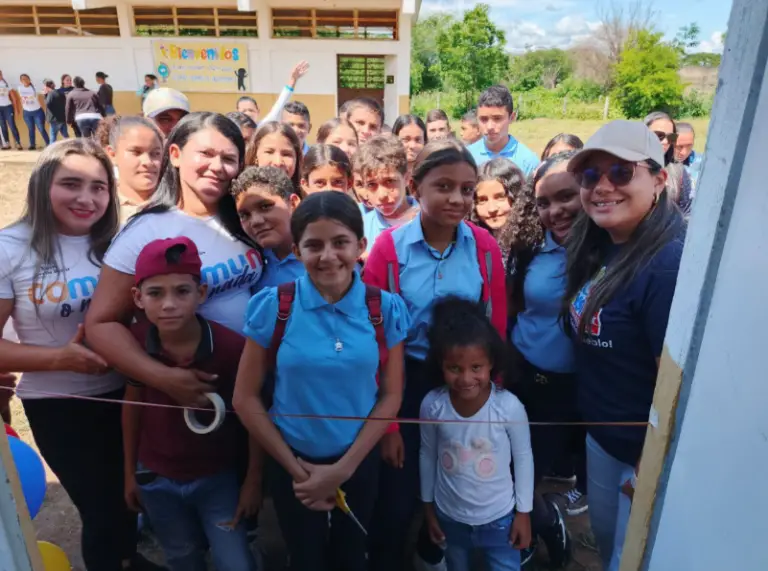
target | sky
x=562, y=23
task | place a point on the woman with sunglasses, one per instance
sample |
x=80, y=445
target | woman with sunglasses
x=679, y=182
x=623, y=255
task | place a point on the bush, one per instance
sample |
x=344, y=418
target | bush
x=695, y=104
x=581, y=90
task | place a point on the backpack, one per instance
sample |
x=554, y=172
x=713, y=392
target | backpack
x=383, y=270
x=286, y=294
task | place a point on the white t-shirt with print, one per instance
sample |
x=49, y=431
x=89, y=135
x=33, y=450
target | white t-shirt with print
x=29, y=100
x=230, y=267
x=5, y=93
x=50, y=301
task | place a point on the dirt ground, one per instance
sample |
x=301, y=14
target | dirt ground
x=58, y=521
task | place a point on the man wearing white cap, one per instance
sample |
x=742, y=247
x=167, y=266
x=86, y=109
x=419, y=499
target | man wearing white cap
x=166, y=107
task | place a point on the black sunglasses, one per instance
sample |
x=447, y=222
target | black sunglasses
x=671, y=137
x=618, y=174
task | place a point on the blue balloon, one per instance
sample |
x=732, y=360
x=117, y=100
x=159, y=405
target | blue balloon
x=31, y=474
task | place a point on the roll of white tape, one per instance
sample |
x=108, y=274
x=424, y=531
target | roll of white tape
x=219, y=410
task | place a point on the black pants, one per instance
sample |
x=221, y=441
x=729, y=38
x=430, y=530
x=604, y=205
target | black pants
x=313, y=544
x=82, y=442
x=398, y=499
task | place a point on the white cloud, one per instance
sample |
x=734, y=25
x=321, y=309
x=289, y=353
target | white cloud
x=573, y=25
x=713, y=45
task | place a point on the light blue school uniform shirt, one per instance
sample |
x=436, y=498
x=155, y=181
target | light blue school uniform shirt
x=538, y=333
x=305, y=148
x=277, y=271
x=374, y=223
x=312, y=377
x=514, y=150
x=427, y=275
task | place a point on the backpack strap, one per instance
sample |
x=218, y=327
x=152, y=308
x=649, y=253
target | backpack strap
x=373, y=302
x=286, y=293
x=485, y=263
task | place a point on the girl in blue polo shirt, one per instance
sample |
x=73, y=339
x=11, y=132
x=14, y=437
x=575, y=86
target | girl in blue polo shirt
x=265, y=198
x=327, y=363
x=623, y=258
x=544, y=376
x=435, y=255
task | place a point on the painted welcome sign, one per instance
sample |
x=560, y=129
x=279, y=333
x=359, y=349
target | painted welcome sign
x=201, y=66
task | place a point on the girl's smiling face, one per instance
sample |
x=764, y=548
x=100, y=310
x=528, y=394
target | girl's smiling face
x=558, y=201
x=266, y=217
x=345, y=138
x=446, y=193
x=79, y=194
x=329, y=251
x=137, y=156
x=492, y=204
x=412, y=138
x=276, y=150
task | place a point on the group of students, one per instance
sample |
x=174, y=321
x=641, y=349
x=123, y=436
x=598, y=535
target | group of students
x=322, y=292
x=70, y=104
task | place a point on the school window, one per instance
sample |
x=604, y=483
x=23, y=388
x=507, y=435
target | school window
x=182, y=21
x=335, y=24
x=58, y=21
x=361, y=72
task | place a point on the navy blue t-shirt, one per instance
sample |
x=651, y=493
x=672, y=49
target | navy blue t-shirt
x=616, y=360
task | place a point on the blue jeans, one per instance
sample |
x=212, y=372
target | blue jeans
x=109, y=110
x=189, y=516
x=608, y=506
x=35, y=119
x=8, y=120
x=87, y=127
x=492, y=539
x=58, y=128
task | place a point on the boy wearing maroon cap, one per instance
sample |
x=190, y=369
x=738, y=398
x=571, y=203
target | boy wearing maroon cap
x=186, y=482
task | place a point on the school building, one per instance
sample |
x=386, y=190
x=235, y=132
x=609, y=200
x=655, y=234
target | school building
x=217, y=50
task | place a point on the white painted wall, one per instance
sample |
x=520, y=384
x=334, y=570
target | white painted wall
x=127, y=58
x=712, y=514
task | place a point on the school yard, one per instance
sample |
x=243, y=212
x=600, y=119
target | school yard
x=58, y=522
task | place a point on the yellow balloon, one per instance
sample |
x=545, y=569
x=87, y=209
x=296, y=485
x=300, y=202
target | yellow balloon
x=54, y=558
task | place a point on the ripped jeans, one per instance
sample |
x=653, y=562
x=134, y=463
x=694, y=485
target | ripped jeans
x=188, y=517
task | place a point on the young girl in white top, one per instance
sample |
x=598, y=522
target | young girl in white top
x=202, y=156
x=32, y=111
x=50, y=261
x=469, y=497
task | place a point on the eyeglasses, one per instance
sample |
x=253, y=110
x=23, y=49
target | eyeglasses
x=671, y=137
x=618, y=174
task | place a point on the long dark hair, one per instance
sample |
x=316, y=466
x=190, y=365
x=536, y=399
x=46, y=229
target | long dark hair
x=321, y=155
x=586, y=250
x=286, y=131
x=168, y=194
x=437, y=154
x=567, y=139
x=669, y=156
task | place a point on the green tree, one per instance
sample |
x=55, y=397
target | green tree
x=545, y=68
x=425, y=66
x=687, y=37
x=471, y=54
x=646, y=78
x=702, y=60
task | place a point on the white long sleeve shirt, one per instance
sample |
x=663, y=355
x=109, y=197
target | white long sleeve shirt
x=275, y=114
x=465, y=466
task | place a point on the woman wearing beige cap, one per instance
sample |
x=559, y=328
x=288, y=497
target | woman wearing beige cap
x=623, y=258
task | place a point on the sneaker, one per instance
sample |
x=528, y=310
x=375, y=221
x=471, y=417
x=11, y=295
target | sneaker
x=19, y=147
x=558, y=540
x=575, y=502
x=5, y=148
x=31, y=148
x=560, y=478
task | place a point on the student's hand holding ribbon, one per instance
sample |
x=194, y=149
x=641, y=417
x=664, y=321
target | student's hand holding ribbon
x=319, y=491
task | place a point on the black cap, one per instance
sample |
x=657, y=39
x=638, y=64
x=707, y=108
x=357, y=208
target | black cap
x=101, y=75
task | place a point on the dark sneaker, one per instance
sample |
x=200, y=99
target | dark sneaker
x=5, y=148
x=560, y=478
x=575, y=502
x=557, y=540
x=31, y=148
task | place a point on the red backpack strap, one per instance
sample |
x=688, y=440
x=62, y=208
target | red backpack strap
x=373, y=301
x=286, y=293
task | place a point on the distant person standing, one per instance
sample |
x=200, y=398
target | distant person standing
x=470, y=129
x=32, y=111
x=105, y=93
x=494, y=114
x=66, y=88
x=55, y=110
x=150, y=83
x=685, y=154
x=9, y=105
x=83, y=108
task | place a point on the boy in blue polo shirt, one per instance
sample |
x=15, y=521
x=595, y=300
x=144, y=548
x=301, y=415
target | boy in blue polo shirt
x=187, y=482
x=494, y=114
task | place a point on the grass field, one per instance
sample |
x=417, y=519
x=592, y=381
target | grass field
x=58, y=521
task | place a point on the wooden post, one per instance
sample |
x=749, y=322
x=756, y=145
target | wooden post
x=605, y=108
